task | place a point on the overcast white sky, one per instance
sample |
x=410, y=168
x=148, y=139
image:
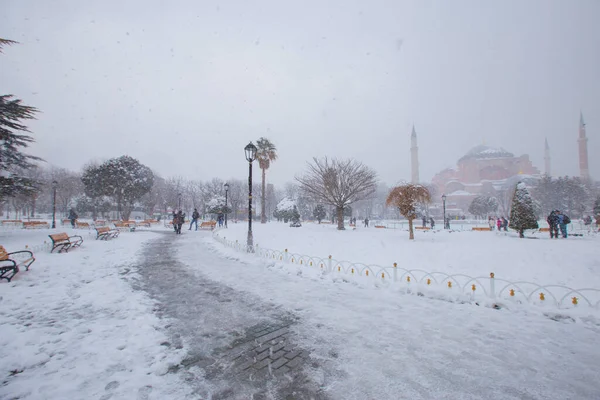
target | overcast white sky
x=184, y=85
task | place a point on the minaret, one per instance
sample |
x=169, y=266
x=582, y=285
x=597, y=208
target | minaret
x=414, y=157
x=547, y=159
x=584, y=170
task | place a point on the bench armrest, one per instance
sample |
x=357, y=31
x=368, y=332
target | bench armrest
x=13, y=262
x=21, y=251
x=75, y=236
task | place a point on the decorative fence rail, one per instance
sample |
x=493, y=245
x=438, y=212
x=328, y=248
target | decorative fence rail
x=482, y=287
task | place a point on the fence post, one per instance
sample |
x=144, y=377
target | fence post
x=395, y=273
x=492, y=286
x=329, y=267
x=285, y=256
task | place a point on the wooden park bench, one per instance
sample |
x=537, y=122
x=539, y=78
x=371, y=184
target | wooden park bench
x=208, y=225
x=80, y=225
x=545, y=229
x=9, y=264
x=105, y=233
x=422, y=228
x=99, y=222
x=147, y=222
x=35, y=225
x=380, y=226
x=125, y=225
x=481, y=228
x=66, y=221
x=12, y=222
x=64, y=242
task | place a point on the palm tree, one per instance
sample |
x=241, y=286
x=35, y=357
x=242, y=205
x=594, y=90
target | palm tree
x=406, y=197
x=266, y=153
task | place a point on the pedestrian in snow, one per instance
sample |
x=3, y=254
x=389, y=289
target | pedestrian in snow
x=424, y=221
x=366, y=222
x=499, y=224
x=491, y=223
x=180, y=221
x=505, y=224
x=552, y=220
x=220, y=220
x=587, y=220
x=175, y=220
x=432, y=222
x=195, y=216
x=73, y=217
x=563, y=220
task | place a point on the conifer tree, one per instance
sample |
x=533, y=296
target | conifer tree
x=13, y=162
x=523, y=212
x=319, y=212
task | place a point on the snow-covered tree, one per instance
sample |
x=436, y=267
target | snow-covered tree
x=295, y=218
x=284, y=209
x=483, y=205
x=597, y=206
x=523, y=211
x=319, y=213
x=124, y=179
x=406, y=198
x=216, y=205
x=12, y=142
x=338, y=183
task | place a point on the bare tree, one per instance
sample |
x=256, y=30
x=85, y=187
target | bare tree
x=406, y=198
x=338, y=183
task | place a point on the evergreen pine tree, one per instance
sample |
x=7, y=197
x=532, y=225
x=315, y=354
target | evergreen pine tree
x=13, y=162
x=295, y=218
x=523, y=211
x=597, y=206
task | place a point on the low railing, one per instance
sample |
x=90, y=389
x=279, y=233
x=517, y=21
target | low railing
x=482, y=287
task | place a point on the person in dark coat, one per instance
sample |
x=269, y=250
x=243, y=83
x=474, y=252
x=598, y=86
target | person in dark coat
x=73, y=217
x=195, y=216
x=563, y=220
x=175, y=221
x=424, y=221
x=432, y=222
x=180, y=220
x=505, y=224
x=553, y=224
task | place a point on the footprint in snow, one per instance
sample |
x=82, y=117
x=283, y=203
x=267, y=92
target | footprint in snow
x=144, y=392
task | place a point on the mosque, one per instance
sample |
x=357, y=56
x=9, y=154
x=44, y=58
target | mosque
x=490, y=170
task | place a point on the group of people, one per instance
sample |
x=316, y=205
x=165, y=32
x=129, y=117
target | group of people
x=178, y=220
x=558, y=220
x=499, y=223
x=431, y=222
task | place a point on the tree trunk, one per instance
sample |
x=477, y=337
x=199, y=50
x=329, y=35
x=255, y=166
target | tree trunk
x=340, y=218
x=411, y=234
x=521, y=233
x=263, y=215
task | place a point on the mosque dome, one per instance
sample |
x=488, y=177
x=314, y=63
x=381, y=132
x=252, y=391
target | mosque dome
x=486, y=152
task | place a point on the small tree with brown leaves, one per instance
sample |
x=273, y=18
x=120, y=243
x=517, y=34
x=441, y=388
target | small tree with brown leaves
x=405, y=198
x=338, y=183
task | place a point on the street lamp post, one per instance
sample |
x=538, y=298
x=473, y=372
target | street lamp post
x=179, y=199
x=446, y=224
x=250, y=150
x=226, y=186
x=54, y=186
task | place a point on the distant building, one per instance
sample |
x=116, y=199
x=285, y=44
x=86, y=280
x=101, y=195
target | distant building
x=483, y=170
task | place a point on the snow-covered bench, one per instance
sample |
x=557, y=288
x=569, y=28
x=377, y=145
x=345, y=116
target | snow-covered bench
x=208, y=225
x=35, y=225
x=64, y=242
x=9, y=264
x=125, y=225
x=80, y=225
x=481, y=228
x=105, y=233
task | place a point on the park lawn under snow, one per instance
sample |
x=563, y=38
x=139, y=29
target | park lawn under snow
x=72, y=327
x=375, y=340
x=573, y=262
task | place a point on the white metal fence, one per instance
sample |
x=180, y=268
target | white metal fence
x=483, y=287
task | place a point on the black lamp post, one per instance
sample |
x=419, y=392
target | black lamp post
x=179, y=200
x=250, y=150
x=54, y=186
x=226, y=186
x=446, y=224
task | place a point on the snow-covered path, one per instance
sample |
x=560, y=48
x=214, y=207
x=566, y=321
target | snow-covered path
x=215, y=324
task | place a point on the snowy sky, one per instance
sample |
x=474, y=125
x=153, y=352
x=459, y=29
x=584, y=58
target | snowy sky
x=183, y=86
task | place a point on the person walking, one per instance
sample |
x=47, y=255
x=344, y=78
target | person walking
x=563, y=220
x=491, y=223
x=432, y=222
x=552, y=220
x=73, y=217
x=424, y=221
x=499, y=224
x=175, y=219
x=180, y=220
x=367, y=222
x=505, y=224
x=195, y=216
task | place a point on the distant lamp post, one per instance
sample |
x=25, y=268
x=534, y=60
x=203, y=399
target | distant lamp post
x=179, y=200
x=250, y=150
x=226, y=186
x=54, y=186
x=446, y=224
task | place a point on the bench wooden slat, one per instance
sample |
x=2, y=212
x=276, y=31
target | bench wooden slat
x=9, y=264
x=64, y=242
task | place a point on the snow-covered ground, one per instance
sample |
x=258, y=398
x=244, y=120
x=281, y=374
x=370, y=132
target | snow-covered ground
x=380, y=343
x=573, y=262
x=72, y=327
x=76, y=326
